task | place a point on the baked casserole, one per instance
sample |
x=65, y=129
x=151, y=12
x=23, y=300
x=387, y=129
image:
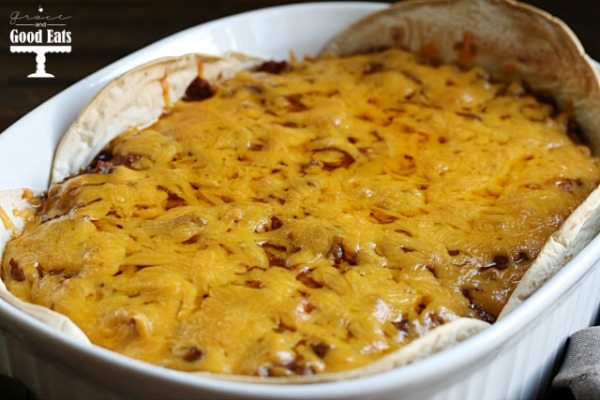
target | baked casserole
x=305, y=217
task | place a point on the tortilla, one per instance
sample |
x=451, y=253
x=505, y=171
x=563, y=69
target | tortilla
x=510, y=40
x=136, y=99
x=575, y=233
x=505, y=38
x=12, y=206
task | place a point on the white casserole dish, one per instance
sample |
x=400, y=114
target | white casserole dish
x=512, y=359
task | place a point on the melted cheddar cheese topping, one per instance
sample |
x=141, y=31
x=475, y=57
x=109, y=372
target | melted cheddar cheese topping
x=306, y=221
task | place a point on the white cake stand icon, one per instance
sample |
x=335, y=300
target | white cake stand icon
x=40, y=57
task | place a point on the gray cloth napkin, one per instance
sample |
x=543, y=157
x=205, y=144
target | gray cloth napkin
x=580, y=371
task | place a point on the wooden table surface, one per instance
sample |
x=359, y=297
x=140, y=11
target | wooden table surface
x=106, y=30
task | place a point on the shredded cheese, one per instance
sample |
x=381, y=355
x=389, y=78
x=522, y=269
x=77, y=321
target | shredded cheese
x=306, y=221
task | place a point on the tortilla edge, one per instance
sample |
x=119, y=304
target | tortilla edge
x=161, y=82
x=11, y=201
